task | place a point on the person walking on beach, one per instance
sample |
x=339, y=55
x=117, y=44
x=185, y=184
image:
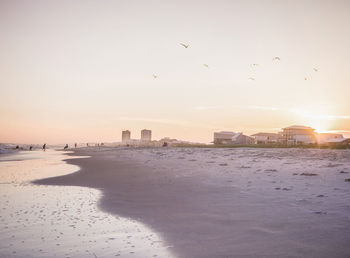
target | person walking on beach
x=75, y=145
x=65, y=147
x=44, y=147
x=30, y=148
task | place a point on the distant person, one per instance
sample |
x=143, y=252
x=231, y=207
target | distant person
x=44, y=147
x=30, y=148
x=75, y=145
x=165, y=144
x=87, y=145
x=65, y=147
x=17, y=147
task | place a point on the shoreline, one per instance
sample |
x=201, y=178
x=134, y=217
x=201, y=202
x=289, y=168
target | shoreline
x=201, y=215
x=63, y=221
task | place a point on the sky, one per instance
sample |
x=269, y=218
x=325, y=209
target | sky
x=78, y=71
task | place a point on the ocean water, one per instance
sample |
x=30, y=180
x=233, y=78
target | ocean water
x=62, y=221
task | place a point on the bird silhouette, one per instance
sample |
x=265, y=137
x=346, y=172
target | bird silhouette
x=276, y=58
x=155, y=76
x=206, y=65
x=184, y=45
x=251, y=78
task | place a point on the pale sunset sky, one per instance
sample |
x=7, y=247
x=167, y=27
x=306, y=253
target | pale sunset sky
x=77, y=71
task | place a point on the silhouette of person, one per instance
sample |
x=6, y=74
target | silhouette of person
x=65, y=147
x=30, y=148
x=75, y=145
x=44, y=147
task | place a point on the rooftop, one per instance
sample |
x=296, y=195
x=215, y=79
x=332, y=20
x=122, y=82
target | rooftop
x=299, y=127
x=337, y=140
x=226, y=132
x=265, y=134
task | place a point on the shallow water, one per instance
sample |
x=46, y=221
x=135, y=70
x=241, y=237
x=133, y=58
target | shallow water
x=62, y=221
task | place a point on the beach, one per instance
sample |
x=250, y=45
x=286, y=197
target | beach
x=240, y=202
x=62, y=221
x=174, y=129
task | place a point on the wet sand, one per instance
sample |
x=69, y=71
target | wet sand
x=226, y=202
x=62, y=221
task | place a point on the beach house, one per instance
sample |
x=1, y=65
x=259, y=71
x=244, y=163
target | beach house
x=298, y=134
x=333, y=140
x=265, y=138
x=226, y=137
x=329, y=137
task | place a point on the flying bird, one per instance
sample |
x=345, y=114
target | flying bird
x=206, y=65
x=315, y=69
x=251, y=78
x=276, y=58
x=155, y=76
x=184, y=45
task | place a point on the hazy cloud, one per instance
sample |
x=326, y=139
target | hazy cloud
x=306, y=113
x=166, y=121
x=206, y=107
x=258, y=107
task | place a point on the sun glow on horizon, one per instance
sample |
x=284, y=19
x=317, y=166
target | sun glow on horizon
x=319, y=119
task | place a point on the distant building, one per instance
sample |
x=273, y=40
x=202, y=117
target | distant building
x=298, y=134
x=339, y=142
x=329, y=137
x=169, y=141
x=126, y=136
x=264, y=138
x=240, y=138
x=225, y=137
x=146, y=135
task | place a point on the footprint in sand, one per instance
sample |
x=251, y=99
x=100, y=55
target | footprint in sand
x=270, y=170
x=308, y=174
x=320, y=212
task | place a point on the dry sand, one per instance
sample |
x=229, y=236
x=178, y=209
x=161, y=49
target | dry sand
x=227, y=202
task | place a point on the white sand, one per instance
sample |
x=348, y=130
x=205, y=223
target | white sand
x=228, y=202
